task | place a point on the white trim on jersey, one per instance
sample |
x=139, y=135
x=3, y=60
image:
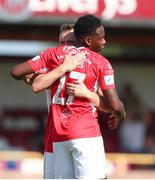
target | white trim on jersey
x=48, y=98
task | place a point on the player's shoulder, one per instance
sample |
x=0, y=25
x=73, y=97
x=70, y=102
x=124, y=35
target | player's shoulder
x=97, y=58
x=53, y=50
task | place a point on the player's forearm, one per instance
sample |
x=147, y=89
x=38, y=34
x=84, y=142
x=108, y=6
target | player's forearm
x=93, y=98
x=104, y=105
x=44, y=81
x=21, y=70
x=116, y=108
x=111, y=102
x=98, y=101
x=120, y=111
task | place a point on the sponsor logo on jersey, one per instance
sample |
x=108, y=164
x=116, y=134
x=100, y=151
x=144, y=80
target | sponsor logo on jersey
x=36, y=58
x=109, y=71
x=109, y=66
x=70, y=49
x=43, y=70
x=60, y=57
x=109, y=80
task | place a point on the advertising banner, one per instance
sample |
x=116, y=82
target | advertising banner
x=58, y=11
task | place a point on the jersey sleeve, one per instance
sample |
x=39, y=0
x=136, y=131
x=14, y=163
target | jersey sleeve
x=106, y=76
x=40, y=63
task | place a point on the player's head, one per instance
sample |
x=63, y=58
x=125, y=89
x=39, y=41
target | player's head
x=89, y=32
x=66, y=35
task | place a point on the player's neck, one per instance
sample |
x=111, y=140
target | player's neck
x=80, y=44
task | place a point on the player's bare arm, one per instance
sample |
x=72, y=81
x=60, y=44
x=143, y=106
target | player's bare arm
x=79, y=89
x=20, y=71
x=23, y=71
x=116, y=107
x=44, y=81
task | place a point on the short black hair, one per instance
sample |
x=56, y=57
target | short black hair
x=86, y=25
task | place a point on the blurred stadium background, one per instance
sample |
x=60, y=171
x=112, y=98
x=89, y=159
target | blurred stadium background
x=29, y=26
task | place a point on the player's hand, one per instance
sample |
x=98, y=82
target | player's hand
x=29, y=78
x=72, y=61
x=77, y=89
x=113, y=121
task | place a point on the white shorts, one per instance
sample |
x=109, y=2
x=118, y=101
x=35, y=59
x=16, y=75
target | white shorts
x=48, y=165
x=80, y=158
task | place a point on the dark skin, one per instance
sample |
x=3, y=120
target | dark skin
x=20, y=71
x=95, y=41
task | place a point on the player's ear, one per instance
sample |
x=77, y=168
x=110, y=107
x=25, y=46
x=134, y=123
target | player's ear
x=87, y=41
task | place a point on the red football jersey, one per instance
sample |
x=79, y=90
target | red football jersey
x=74, y=117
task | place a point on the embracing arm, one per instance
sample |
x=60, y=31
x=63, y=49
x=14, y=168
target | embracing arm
x=44, y=81
x=106, y=101
x=20, y=71
x=111, y=101
x=79, y=89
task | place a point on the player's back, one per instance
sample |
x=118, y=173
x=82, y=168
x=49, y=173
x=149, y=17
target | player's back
x=76, y=117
